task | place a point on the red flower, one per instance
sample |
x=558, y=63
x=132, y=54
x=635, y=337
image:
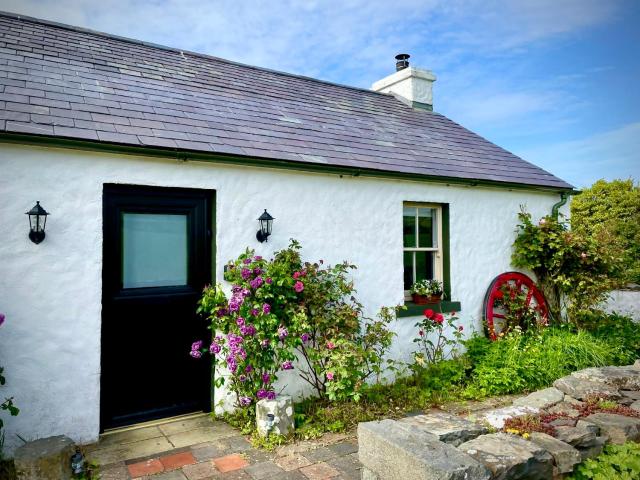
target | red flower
x=438, y=318
x=429, y=313
x=460, y=328
x=421, y=333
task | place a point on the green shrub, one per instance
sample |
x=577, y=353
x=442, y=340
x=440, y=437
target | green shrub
x=620, y=462
x=532, y=360
x=621, y=332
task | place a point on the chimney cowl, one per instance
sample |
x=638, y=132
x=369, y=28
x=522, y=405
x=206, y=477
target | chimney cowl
x=402, y=61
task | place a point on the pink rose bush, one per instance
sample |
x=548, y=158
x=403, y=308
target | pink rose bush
x=282, y=309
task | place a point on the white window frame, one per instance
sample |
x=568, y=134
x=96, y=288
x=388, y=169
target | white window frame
x=438, y=257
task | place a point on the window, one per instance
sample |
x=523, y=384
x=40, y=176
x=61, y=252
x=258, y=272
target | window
x=422, y=243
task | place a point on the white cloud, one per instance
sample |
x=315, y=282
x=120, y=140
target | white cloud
x=609, y=155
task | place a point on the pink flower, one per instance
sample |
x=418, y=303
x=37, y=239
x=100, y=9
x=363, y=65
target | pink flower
x=296, y=275
x=421, y=333
x=266, y=308
x=583, y=255
x=331, y=345
x=299, y=286
x=287, y=365
x=266, y=377
x=542, y=221
x=196, y=353
x=329, y=375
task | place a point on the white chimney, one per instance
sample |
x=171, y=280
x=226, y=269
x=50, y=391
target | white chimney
x=413, y=86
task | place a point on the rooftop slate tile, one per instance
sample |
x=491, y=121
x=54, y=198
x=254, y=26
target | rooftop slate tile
x=98, y=87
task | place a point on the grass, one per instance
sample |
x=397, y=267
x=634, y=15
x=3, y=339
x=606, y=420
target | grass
x=517, y=363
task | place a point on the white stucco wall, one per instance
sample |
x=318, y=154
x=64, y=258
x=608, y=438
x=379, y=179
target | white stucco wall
x=625, y=302
x=51, y=293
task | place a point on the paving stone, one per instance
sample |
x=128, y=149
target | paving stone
x=292, y=462
x=541, y=399
x=349, y=465
x=255, y=455
x=200, y=471
x=171, y=428
x=45, y=459
x=127, y=436
x=626, y=378
x=510, y=457
x=262, y=470
x=200, y=435
x=618, y=428
x=565, y=457
x=118, y=472
x=148, y=467
x=292, y=475
x=319, y=454
x=577, y=437
x=344, y=448
x=135, y=450
x=234, y=475
x=319, y=471
x=177, y=460
x=172, y=475
x=238, y=443
x=496, y=417
x=580, y=388
x=230, y=462
x=448, y=428
x=393, y=450
x=209, y=451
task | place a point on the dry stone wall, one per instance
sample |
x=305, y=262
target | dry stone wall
x=441, y=446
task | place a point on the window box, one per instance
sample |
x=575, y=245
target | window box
x=413, y=310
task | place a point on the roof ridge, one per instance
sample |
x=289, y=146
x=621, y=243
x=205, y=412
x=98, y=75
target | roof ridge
x=111, y=36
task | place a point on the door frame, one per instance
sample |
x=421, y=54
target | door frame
x=143, y=196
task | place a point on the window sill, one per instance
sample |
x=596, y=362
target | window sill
x=413, y=310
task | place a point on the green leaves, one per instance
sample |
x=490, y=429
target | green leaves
x=620, y=462
x=574, y=270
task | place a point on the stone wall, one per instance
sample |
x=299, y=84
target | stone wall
x=441, y=446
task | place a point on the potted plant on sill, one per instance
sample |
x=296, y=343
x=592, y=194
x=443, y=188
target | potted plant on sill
x=426, y=292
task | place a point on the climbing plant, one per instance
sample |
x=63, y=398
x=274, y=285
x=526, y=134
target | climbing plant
x=575, y=271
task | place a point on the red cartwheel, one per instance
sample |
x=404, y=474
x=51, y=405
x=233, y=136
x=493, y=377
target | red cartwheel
x=494, y=312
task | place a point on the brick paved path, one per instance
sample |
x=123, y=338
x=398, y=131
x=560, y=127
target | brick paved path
x=198, y=448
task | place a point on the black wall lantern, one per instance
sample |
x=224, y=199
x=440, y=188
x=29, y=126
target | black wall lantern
x=266, y=221
x=37, y=222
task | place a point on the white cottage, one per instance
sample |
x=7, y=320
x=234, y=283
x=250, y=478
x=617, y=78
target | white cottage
x=154, y=164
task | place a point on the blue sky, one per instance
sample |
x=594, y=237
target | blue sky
x=554, y=81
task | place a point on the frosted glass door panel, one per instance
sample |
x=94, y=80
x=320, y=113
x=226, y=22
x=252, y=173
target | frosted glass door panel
x=154, y=250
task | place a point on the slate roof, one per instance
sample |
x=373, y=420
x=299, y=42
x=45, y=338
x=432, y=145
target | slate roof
x=61, y=81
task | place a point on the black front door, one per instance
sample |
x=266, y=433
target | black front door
x=157, y=259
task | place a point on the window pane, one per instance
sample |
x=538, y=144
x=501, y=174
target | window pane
x=154, y=250
x=424, y=265
x=408, y=270
x=409, y=226
x=427, y=228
